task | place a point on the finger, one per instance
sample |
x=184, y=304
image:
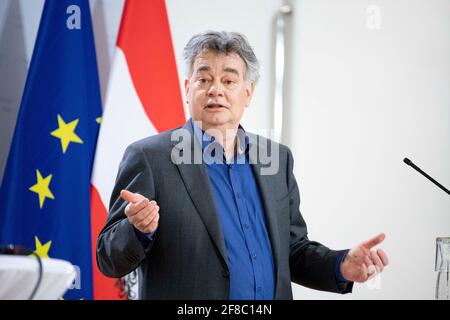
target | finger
x=383, y=256
x=374, y=241
x=127, y=209
x=153, y=225
x=145, y=214
x=145, y=222
x=367, y=261
x=377, y=261
x=130, y=196
x=134, y=209
x=141, y=204
x=137, y=219
x=148, y=220
x=371, y=272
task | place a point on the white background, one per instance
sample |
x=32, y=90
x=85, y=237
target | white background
x=360, y=97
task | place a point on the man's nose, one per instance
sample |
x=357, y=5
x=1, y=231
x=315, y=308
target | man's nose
x=215, y=89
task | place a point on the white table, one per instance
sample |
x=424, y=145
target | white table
x=19, y=275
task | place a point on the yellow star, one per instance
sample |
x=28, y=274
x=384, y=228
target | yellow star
x=66, y=132
x=42, y=250
x=41, y=188
x=98, y=120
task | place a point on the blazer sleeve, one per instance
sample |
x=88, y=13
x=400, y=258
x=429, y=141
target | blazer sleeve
x=119, y=250
x=311, y=263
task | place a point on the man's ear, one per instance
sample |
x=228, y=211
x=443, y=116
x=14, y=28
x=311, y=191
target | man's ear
x=186, y=87
x=249, y=88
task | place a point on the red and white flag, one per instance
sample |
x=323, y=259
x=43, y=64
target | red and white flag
x=142, y=99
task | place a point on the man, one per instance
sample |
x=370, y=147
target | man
x=219, y=228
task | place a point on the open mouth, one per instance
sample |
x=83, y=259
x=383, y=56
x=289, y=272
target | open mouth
x=215, y=106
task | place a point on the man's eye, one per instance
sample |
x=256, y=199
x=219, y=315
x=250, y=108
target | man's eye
x=202, y=80
x=229, y=82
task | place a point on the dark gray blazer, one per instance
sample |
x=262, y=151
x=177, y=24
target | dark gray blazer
x=187, y=258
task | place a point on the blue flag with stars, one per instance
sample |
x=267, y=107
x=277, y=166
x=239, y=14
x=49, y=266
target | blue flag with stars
x=45, y=192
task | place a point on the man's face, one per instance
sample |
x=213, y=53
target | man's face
x=217, y=92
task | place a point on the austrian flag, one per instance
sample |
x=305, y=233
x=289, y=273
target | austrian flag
x=143, y=98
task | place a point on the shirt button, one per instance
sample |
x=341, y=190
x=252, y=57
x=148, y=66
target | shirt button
x=238, y=195
x=254, y=256
x=259, y=289
x=225, y=273
x=246, y=226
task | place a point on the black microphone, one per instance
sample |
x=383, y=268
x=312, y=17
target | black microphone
x=410, y=163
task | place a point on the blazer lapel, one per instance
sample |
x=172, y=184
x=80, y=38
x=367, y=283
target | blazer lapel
x=197, y=183
x=265, y=186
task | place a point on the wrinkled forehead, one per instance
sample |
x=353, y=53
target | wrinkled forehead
x=217, y=61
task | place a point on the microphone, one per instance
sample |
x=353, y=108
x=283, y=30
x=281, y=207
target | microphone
x=410, y=163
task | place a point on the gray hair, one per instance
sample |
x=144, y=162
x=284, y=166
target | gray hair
x=223, y=43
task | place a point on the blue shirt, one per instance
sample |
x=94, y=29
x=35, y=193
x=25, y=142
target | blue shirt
x=241, y=214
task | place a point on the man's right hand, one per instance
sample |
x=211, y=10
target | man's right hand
x=141, y=213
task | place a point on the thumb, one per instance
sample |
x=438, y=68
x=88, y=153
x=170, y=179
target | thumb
x=130, y=196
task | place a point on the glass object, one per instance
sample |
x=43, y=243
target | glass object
x=442, y=266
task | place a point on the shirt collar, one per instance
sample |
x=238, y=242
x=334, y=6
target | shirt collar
x=207, y=141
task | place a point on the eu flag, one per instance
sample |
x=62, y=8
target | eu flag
x=45, y=192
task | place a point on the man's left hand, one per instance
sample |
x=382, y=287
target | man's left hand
x=362, y=262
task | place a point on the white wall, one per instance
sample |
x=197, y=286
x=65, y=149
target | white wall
x=358, y=101
x=18, y=28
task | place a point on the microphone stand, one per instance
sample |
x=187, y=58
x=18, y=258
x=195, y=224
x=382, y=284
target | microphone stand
x=442, y=264
x=410, y=163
